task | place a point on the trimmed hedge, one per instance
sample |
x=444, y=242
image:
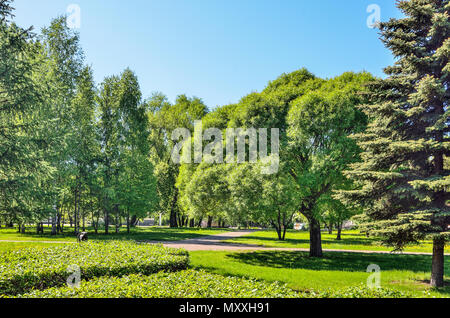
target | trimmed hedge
x=27, y=269
x=183, y=284
x=361, y=292
x=197, y=284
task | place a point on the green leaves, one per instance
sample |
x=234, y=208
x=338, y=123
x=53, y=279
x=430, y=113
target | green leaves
x=403, y=179
x=183, y=284
x=27, y=269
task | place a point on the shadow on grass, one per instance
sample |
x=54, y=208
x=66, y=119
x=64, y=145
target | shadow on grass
x=289, y=241
x=136, y=234
x=351, y=262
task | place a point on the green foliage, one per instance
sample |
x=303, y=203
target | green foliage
x=33, y=268
x=403, y=183
x=198, y=284
x=24, y=170
x=164, y=118
x=126, y=174
x=183, y=284
x=315, y=118
x=334, y=272
x=362, y=292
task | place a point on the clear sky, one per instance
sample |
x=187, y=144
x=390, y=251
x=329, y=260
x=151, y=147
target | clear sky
x=220, y=50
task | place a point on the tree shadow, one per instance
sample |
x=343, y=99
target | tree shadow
x=351, y=262
x=357, y=240
x=136, y=234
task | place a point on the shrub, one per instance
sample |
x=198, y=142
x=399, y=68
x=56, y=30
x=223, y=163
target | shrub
x=361, y=292
x=31, y=268
x=183, y=284
x=197, y=284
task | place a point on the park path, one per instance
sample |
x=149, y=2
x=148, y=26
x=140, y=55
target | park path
x=218, y=243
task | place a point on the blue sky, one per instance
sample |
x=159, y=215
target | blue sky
x=220, y=50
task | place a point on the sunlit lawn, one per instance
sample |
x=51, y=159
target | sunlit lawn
x=4, y=246
x=334, y=271
x=137, y=234
x=351, y=240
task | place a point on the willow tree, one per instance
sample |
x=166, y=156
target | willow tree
x=404, y=185
x=319, y=147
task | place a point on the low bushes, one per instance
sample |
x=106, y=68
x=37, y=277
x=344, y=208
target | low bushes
x=183, y=284
x=197, y=284
x=361, y=292
x=31, y=268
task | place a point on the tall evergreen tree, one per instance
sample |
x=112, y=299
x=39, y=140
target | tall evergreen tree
x=23, y=170
x=404, y=186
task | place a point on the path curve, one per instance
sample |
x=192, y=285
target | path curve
x=216, y=243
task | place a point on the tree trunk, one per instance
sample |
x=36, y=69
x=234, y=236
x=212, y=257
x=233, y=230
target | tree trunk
x=330, y=228
x=315, y=239
x=118, y=219
x=58, y=222
x=38, y=228
x=437, y=271
x=278, y=229
x=133, y=221
x=84, y=221
x=54, y=229
x=339, y=238
x=128, y=222
x=75, y=213
x=173, y=212
x=63, y=221
x=106, y=221
x=210, y=220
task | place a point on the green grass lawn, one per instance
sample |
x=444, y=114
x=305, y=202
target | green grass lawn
x=335, y=271
x=137, y=234
x=18, y=245
x=351, y=240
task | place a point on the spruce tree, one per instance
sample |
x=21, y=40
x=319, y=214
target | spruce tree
x=5, y=10
x=23, y=170
x=404, y=185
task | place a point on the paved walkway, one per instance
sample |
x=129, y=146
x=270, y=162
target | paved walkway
x=216, y=243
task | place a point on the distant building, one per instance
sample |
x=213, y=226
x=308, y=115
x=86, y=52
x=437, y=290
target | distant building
x=348, y=225
x=147, y=222
x=299, y=226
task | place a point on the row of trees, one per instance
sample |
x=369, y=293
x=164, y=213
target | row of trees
x=315, y=118
x=70, y=153
x=348, y=145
